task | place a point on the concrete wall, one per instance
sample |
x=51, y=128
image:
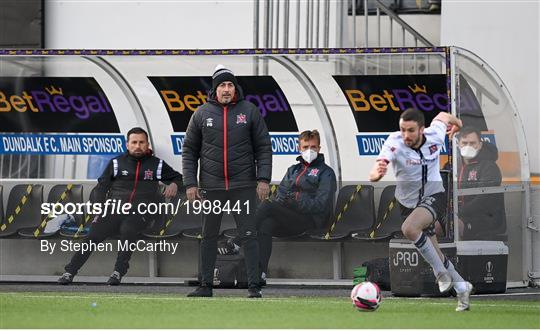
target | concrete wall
x=127, y=24
x=506, y=35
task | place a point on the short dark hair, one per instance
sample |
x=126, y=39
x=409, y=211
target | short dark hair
x=136, y=130
x=413, y=115
x=467, y=130
x=310, y=134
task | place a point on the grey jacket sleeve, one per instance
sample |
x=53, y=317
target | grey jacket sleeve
x=262, y=146
x=191, y=150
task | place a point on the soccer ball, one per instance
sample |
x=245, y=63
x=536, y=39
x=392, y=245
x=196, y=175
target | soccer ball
x=366, y=296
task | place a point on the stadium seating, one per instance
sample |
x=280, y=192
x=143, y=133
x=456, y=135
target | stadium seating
x=169, y=225
x=228, y=227
x=389, y=220
x=355, y=212
x=232, y=232
x=63, y=194
x=83, y=221
x=23, y=209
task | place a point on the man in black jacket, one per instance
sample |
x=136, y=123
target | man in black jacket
x=229, y=137
x=305, y=198
x=479, y=215
x=132, y=177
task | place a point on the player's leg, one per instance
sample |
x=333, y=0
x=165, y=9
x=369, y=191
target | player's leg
x=265, y=229
x=130, y=229
x=247, y=232
x=100, y=229
x=462, y=287
x=413, y=229
x=210, y=231
x=436, y=205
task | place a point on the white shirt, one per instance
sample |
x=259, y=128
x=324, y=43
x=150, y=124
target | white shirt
x=417, y=171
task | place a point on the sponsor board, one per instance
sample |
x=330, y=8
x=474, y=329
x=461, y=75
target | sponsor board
x=61, y=144
x=282, y=144
x=371, y=144
x=54, y=104
x=377, y=102
x=182, y=96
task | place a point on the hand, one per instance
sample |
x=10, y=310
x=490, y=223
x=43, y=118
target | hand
x=170, y=191
x=263, y=190
x=382, y=167
x=452, y=129
x=192, y=194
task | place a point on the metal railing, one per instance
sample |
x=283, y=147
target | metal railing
x=393, y=17
x=310, y=24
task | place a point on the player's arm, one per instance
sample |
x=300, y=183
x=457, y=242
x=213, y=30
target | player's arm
x=451, y=121
x=378, y=170
x=386, y=156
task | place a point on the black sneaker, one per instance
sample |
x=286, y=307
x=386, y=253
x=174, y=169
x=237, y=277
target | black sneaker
x=229, y=248
x=66, y=279
x=254, y=292
x=115, y=279
x=202, y=292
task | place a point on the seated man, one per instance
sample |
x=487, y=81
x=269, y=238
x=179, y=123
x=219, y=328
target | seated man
x=479, y=215
x=305, y=198
x=132, y=177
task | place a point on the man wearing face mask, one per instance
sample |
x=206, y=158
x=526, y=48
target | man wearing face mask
x=228, y=138
x=305, y=198
x=479, y=215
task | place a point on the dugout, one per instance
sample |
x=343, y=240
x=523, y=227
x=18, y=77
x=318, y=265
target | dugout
x=64, y=113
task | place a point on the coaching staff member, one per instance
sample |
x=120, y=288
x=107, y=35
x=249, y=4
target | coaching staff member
x=229, y=137
x=132, y=177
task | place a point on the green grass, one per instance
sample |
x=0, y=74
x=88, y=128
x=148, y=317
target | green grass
x=74, y=310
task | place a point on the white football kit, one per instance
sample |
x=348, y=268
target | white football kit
x=417, y=171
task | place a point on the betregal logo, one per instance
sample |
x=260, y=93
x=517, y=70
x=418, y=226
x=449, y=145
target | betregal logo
x=53, y=99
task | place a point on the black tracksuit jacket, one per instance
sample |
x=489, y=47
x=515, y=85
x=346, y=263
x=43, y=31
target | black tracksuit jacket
x=485, y=212
x=309, y=189
x=232, y=143
x=134, y=180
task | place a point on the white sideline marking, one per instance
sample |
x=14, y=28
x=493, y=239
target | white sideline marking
x=308, y=300
x=509, y=294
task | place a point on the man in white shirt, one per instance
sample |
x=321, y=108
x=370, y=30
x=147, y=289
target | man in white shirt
x=414, y=153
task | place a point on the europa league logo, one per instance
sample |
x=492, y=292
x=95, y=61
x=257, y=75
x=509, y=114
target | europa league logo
x=489, y=267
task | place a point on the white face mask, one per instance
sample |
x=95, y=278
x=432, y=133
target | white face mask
x=468, y=152
x=309, y=155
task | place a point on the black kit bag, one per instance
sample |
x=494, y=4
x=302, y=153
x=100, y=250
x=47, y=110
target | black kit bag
x=230, y=271
x=378, y=271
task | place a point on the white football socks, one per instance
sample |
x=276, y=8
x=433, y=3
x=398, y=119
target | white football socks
x=426, y=249
x=459, y=283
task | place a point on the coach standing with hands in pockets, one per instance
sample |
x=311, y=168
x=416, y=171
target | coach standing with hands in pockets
x=229, y=137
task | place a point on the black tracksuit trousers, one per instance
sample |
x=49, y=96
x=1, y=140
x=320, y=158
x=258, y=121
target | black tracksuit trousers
x=128, y=227
x=277, y=220
x=247, y=232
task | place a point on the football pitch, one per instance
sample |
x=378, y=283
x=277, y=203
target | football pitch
x=117, y=310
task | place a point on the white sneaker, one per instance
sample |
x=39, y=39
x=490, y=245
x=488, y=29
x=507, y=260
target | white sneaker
x=445, y=282
x=463, y=298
